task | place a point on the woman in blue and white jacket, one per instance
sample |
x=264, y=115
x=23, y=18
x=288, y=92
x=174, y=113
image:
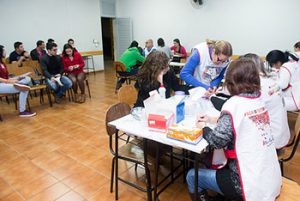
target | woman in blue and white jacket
x=207, y=64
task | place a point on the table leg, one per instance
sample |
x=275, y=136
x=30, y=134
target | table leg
x=156, y=171
x=196, y=166
x=148, y=179
x=116, y=158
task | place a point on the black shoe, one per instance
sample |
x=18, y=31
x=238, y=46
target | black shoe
x=202, y=196
x=57, y=99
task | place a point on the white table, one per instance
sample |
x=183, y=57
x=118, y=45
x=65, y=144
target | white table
x=177, y=64
x=131, y=126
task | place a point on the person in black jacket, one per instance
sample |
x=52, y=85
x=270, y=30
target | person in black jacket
x=154, y=72
x=37, y=53
x=53, y=71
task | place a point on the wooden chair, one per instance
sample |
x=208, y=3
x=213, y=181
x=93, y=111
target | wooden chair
x=127, y=94
x=290, y=190
x=121, y=68
x=291, y=149
x=15, y=70
x=130, y=152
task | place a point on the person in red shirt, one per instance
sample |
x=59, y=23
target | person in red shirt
x=178, y=50
x=73, y=65
x=14, y=85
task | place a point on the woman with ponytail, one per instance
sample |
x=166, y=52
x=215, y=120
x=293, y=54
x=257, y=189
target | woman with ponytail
x=178, y=50
x=207, y=64
x=288, y=76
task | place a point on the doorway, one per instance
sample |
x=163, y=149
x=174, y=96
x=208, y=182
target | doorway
x=107, y=38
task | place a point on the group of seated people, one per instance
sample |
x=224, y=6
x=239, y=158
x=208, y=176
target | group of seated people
x=134, y=56
x=252, y=126
x=61, y=71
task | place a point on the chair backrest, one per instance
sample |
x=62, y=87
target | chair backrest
x=119, y=66
x=127, y=94
x=292, y=119
x=297, y=127
x=114, y=112
x=15, y=70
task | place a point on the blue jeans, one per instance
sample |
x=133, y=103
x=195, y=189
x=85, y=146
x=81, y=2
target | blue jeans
x=206, y=180
x=60, y=90
x=10, y=89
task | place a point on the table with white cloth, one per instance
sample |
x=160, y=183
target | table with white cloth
x=129, y=125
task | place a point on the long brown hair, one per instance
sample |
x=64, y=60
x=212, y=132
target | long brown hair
x=154, y=64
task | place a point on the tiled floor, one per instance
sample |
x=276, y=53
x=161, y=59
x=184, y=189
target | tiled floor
x=62, y=153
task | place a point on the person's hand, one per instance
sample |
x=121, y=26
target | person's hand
x=76, y=66
x=53, y=79
x=71, y=68
x=58, y=75
x=22, y=58
x=201, y=120
x=210, y=92
x=12, y=81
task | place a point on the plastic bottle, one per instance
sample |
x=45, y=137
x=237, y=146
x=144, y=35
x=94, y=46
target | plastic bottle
x=162, y=91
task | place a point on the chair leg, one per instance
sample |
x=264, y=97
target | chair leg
x=49, y=96
x=28, y=105
x=88, y=87
x=112, y=175
x=15, y=99
x=281, y=167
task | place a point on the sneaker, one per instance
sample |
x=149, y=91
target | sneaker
x=57, y=79
x=57, y=99
x=27, y=114
x=21, y=87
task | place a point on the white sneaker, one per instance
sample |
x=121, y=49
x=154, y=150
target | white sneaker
x=57, y=79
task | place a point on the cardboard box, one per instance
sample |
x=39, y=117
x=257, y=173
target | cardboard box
x=185, y=134
x=160, y=122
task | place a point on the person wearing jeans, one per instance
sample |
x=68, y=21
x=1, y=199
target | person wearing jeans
x=14, y=85
x=53, y=71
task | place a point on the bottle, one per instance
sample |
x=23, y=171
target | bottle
x=162, y=91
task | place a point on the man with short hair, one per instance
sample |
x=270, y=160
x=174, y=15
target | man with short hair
x=53, y=69
x=37, y=53
x=19, y=55
x=149, y=47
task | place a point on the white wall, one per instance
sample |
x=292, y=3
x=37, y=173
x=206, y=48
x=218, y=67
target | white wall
x=250, y=25
x=32, y=20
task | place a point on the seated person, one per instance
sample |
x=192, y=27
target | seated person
x=149, y=47
x=72, y=43
x=155, y=71
x=289, y=73
x=178, y=51
x=50, y=40
x=53, y=71
x=161, y=47
x=19, y=55
x=207, y=64
x=273, y=99
x=297, y=48
x=73, y=65
x=250, y=170
x=132, y=59
x=37, y=53
x=14, y=85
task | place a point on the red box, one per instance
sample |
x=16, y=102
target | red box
x=160, y=122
